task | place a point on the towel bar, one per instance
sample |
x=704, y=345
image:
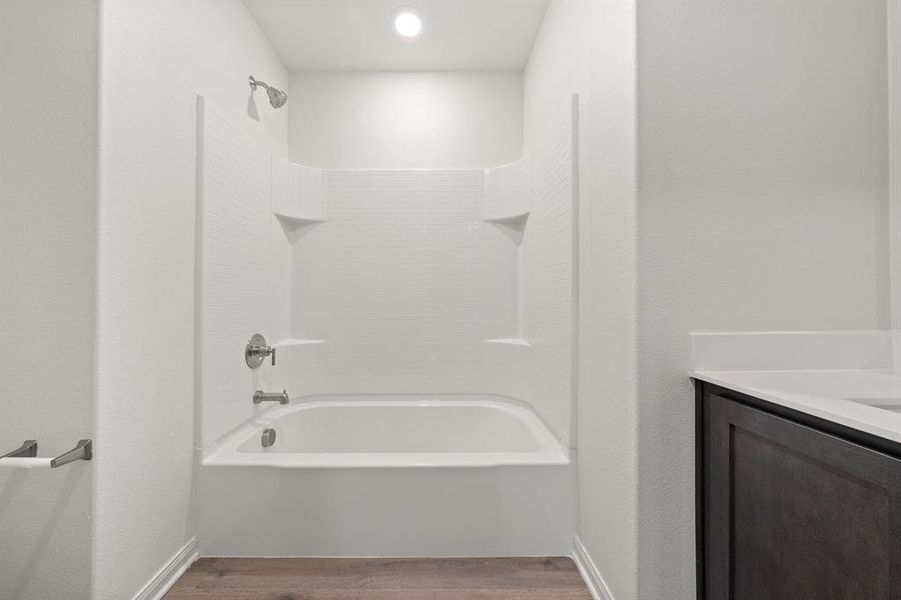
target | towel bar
x=29, y=449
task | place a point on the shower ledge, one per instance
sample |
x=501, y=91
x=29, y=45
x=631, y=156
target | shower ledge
x=299, y=342
x=510, y=342
x=293, y=222
x=517, y=220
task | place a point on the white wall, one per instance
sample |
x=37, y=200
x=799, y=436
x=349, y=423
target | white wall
x=894, y=58
x=762, y=184
x=392, y=281
x=48, y=213
x=156, y=55
x=588, y=47
x=446, y=120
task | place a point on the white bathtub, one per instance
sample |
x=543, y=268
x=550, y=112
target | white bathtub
x=390, y=476
x=375, y=431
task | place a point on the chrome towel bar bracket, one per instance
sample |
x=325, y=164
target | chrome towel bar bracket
x=82, y=451
x=29, y=449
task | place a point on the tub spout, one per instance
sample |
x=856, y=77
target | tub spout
x=260, y=396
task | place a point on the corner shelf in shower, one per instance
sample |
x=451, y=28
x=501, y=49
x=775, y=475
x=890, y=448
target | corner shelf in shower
x=519, y=342
x=515, y=220
x=294, y=222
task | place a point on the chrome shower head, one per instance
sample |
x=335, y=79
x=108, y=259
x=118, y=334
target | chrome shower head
x=277, y=98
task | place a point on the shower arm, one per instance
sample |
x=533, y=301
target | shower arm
x=256, y=82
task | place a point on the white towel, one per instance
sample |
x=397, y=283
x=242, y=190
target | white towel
x=19, y=462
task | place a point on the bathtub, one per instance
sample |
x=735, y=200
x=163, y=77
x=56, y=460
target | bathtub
x=448, y=475
x=323, y=432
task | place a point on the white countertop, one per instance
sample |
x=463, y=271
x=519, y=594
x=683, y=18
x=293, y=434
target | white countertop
x=868, y=400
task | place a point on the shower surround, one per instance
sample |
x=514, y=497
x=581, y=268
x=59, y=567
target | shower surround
x=399, y=286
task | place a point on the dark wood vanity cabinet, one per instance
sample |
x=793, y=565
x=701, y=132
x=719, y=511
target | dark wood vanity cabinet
x=791, y=507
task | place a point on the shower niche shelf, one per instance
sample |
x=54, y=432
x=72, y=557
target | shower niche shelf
x=294, y=222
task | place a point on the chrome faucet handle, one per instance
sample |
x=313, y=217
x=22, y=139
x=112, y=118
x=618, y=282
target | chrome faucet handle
x=256, y=351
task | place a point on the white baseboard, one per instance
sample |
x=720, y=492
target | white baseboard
x=589, y=571
x=166, y=577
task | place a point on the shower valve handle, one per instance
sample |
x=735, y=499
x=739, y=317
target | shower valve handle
x=267, y=351
x=256, y=351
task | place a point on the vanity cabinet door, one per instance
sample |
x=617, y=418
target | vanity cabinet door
x=792, y=513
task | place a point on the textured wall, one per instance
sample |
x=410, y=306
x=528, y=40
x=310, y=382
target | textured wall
x=156, y=57
x=399, y=303
x=437, y=120
x=382, y=281
x=508, y=191
x=235, y=273
x=589, y=48
x=762, y=148
x=547, y=288
x=406, y=281
x=48, y=277
x=297, y=192
x=894, y=79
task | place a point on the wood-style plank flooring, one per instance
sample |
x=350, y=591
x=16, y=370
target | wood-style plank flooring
x=381, y=579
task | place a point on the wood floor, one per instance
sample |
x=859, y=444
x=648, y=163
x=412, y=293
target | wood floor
x=380, y=579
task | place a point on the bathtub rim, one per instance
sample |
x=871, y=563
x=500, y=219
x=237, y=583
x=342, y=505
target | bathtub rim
x=552, y=451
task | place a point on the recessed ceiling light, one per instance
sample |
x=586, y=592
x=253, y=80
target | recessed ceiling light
x=407, y=23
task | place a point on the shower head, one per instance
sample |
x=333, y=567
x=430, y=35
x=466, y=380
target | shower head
x=277, y=98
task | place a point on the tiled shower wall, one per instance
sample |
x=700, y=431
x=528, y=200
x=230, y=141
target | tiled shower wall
x=402, y=253
x=377, y=281
x=548, y=277
x=507, y=191
x=235, y=278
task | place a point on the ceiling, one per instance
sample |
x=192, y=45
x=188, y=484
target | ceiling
x=358, y=35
